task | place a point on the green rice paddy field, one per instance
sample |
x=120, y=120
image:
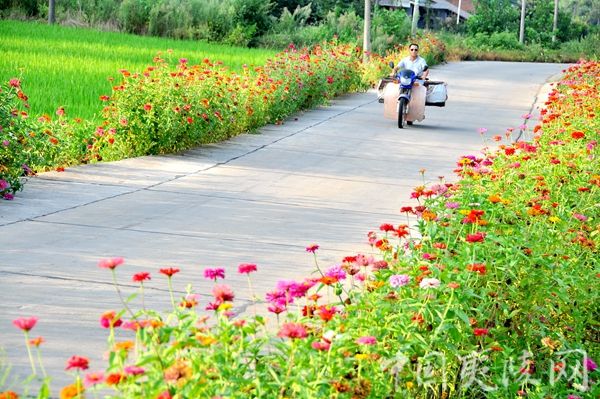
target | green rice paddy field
x=70, y=67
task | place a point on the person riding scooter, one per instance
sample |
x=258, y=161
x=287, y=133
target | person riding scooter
x=414, y=62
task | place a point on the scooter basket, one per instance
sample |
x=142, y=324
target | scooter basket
x=437, y=94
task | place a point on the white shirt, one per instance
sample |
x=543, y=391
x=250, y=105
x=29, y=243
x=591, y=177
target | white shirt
x=417, y=66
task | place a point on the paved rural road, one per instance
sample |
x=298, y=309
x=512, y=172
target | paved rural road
x=326, y=176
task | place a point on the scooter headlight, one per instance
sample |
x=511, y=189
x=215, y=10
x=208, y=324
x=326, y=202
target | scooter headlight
x=405, y=81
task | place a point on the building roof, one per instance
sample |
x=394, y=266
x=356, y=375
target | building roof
x=466, y=6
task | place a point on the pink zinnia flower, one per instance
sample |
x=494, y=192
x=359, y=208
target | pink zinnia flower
x=14, y=82
x=25, y=323
x=336, y=272
x=134, y=370
x=222, y=293
x=111, y=263
x=246, y=268
x=92, y=379
x=169, y=272
x=399, y=280
x=141, y=277
x=367, y=340
x=580, y=217
x=275, y=308
x=452, y=205
x=77, y=362
x=214, y=274
x=292, y=330
x=321, y=346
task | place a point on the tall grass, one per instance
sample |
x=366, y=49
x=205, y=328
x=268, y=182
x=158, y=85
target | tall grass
x=71, y=67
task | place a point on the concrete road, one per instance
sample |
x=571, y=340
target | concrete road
x=326, y=176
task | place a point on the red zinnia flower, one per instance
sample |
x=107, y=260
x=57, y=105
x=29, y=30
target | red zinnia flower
x=326, y=313
x=386, y=227
x=24, y=323
x=292, y=330
x=147, y=107
x=110, y=263
x=77, y=362
x=477, y=237
x=577, y=134
x=477, y=267
x=480, y=332
x=169, y=272
x=114, y=378
x=141, y=277
x=246, y=268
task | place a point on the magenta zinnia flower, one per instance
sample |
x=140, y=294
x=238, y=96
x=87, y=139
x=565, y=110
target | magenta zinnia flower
x=590, y=365
x=292, y=330
x=214, y=274
x=312, y=248
x=246, y=268
x=25, y=323
x=111, y=263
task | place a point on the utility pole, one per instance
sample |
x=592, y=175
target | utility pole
x=555, y=24
x=51, y=18
x=522, y=25
x=415, y=17
x=367, y=32
x=458, y=12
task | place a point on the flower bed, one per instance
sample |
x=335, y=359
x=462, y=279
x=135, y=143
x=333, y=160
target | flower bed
x=167, y=108
x=494, y=297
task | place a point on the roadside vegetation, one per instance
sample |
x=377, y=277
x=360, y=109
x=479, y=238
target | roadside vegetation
x=491, y=294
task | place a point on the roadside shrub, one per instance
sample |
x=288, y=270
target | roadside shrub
x=15, y=128
x=165, y=109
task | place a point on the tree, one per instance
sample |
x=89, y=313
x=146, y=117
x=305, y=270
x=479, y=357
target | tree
x=51, y=11
x=493, y=16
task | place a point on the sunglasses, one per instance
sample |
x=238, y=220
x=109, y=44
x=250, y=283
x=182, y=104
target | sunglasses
x=414, y=49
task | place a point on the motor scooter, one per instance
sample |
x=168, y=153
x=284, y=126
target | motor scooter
x=409, y=109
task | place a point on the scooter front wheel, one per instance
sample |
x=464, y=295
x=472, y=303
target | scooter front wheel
x=402, y=104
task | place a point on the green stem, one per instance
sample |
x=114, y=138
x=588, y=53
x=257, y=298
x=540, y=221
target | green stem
x=289, y=370
x=171, y=293
x=29, y=353
x=114, y=275
x=39, y=357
